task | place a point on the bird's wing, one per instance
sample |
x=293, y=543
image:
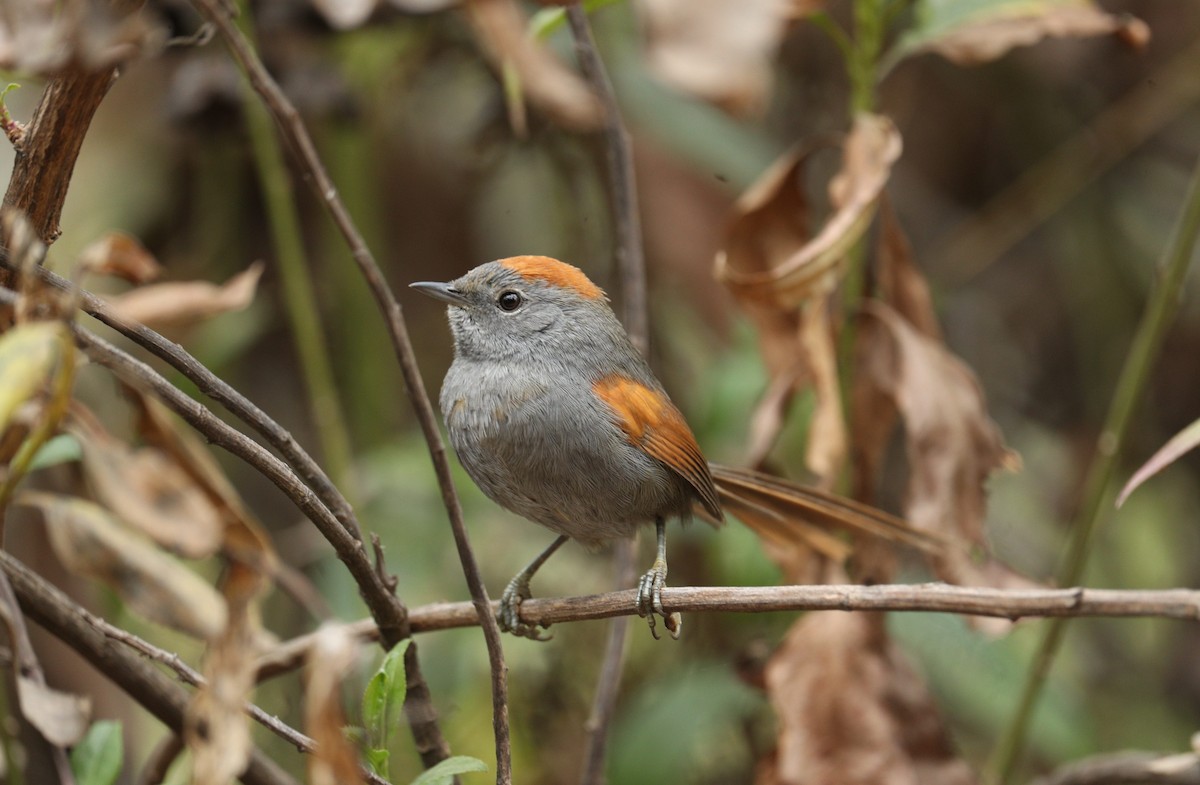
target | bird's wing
x=653, y=424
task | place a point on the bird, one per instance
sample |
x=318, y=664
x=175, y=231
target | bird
x=558, y=418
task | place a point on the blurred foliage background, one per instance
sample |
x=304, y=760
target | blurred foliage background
x=1038, y=191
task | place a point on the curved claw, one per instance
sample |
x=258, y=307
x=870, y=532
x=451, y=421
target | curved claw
x=650, y=604
x=509, y=614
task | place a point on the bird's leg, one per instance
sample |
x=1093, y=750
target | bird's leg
x=509, y=615
x=649, y=597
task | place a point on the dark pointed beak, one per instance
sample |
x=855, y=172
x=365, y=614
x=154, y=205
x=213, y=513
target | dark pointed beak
x=440, y=291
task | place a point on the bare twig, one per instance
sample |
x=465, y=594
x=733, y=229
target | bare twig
x=156, y=767
x=622, y=184
x=385, y=607
x=42, y=758
x=296, y=136
x=220, y=391
x=918, y=597
x=1128, y=768
x=631, y=265
x=68, y=622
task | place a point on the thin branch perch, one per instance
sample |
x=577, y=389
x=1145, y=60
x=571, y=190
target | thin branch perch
x=917, y=597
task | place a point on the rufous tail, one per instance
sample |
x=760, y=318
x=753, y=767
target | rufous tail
x=783, y=512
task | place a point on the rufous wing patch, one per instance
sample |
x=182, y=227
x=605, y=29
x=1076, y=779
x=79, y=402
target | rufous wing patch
x=652, y=423
x=555, y=273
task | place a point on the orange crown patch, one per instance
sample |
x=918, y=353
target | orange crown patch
x=555, y=273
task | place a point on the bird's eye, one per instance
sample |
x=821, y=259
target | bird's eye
x=509, y=301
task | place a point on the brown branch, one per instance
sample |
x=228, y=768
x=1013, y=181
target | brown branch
x=220, y=391
x=43, y=759
x=1128, y=768
x=385, y=607
x=76, y=627
x=193, y=678
x=916, y=597
x=631, y=265
x=46, y=157
x=297, y=139
x=622, y=183
x=156, y=767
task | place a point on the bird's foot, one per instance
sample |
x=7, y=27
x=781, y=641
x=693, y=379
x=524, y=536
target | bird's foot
x=509, y=615
x=649, y=601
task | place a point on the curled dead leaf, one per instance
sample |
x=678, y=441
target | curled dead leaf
x=720, y=51
x=782, y=277
x=953, y=446
x=985, y=32
x=90, y=542
x=121, y=255
x=826, y=449
x=330, y=661
x=768, y=255
x=852, y=711
x=558, y=91
x=147, y=489
x=175, y=305
x=61, y=717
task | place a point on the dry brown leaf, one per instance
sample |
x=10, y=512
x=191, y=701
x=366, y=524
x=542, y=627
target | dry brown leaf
x=217, y=730
x=768, y=255
x=162, y=430
x=90, y=542
x=873, y=413
x=185, y=304
x=501, y=28
x=995, y=29
x=852, y=711
x=330, y=660
x=720, y=51
x=121, y=255
x=826, y=449
x=147, y=490
x=900, y=282
x=782, y=277
x=953, y=446
x=61, y=717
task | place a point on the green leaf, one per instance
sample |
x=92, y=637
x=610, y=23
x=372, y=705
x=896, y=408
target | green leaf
x=377, y=760
x=384, y=696
x=444, y=772
x=547, y=20
x=97, y=759
x=63, y=448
